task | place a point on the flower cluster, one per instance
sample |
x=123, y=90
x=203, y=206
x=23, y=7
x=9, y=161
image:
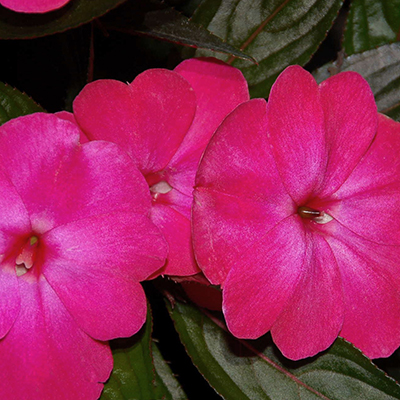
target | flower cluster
x=296, y=215
x=164, y=120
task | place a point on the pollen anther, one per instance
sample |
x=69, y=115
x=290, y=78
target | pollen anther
x=308, y=213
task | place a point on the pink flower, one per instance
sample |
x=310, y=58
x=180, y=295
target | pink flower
x=164, y=120
x=33, y=6
x=75, y=240
x=297, y=216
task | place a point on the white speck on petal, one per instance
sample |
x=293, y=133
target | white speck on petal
x=324, y=218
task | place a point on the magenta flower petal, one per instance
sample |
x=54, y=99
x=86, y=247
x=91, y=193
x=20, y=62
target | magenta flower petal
x=219, y=89
x=14, y=222
x=316, y=309
x=148, y=118
x=67, y=116
x=27, y=149
x=350, y=125
x=370, y=198
x=9, y=297
x=46, y=346
x=380, y=165
x=113, y=241
x=33, y=6
x=110, y=252
x=177, y=231
x=220, y=222
x=295, y=123
x=231, y=202
x=14, y=219
x=371, y=294
x=257, y=290
x=92, y=169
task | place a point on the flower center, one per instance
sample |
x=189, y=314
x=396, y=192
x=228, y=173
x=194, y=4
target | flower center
x=320, y=217
x=159, y=189
x=27, y=256
x=158, y=186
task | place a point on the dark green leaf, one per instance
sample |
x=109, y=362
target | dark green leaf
x=13, y=103
x=242, y=370
x=167, y=386
x=276, y=33
x=21, y=26
x=371, y=23
x=381, y=68
x=159, y=21
x=134, y=376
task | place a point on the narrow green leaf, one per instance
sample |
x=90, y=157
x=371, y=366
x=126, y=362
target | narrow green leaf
x=242, y=370
x=134, y=376
x=13, y=103
x=381, y=68
x=159, y=21
x=276, y=33
x=22, y=26
x=167, y=387
x=371, y=23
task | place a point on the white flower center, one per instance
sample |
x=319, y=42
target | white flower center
x=161, y=187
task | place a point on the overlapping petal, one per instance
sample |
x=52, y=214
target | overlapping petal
x=46, y=355
x=370, y=285
x=9, y=297
x=370, y=198
x=33, y=6
x=350, y=125
x=14, y=218
x=67, y=116
x=219, y=89
x=239, y=195
x=264, y=279
x=177, y=231
x=75, y=181
x=164, y=120
x=148, y=118
x=314, y=315
x=295, y=126
x=104, y=255
x=225, y=226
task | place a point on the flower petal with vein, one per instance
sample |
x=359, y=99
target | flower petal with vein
x=164, y=120
x=75, y=240
x=297, y=215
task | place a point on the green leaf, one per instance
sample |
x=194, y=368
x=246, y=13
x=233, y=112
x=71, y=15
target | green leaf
x=371, y=23
x=243, y=370
x=276, y=33
x=134, y=376
x=13, y=104
x=167, y=386
x=161, y=22
x=22, y=26
x=381, y=68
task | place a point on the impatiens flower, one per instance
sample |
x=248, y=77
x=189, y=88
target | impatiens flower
x=164, y=119
x=297, y=216
x=75, y=240
x=33, y=6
